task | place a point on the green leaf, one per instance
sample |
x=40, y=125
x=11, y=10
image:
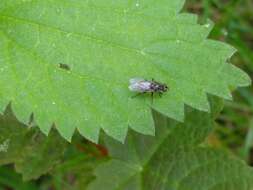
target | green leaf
x=76, y=172
x=32, y=152
x=103, y=44
x=176, y=159
x=9, y=178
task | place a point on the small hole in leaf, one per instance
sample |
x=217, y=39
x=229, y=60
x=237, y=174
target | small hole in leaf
x=64, y=66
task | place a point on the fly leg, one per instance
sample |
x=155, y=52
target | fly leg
x=160, y=94
x=152, y=97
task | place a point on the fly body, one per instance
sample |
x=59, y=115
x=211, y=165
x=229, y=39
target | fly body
x=147, y=86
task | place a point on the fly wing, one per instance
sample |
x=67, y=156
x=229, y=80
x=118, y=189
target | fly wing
x=139, y=85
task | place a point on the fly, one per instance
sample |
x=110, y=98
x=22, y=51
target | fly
x=64, y=66
x=143, y=86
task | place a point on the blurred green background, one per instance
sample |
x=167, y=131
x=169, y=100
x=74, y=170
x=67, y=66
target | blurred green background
x=234, y=130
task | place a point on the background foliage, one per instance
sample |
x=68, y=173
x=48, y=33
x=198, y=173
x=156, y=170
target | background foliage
x=234, y=130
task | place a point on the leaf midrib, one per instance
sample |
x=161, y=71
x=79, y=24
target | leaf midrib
x=82, y=35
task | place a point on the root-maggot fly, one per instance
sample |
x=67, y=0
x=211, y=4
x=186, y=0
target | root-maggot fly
x=143, y=86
